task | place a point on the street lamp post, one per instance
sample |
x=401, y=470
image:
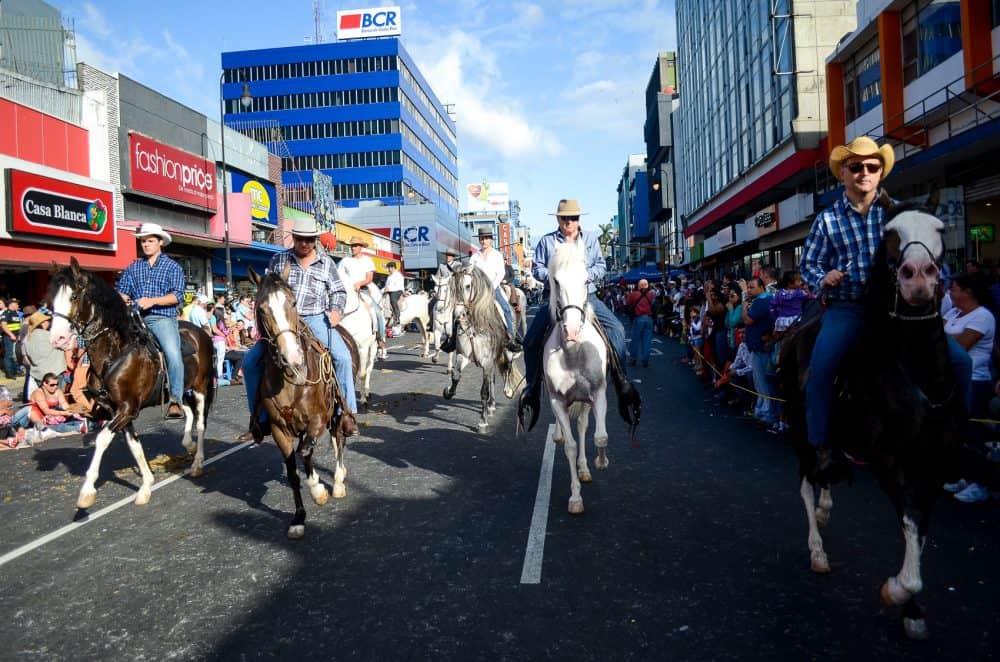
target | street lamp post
x=245, y=100
x=399, y=214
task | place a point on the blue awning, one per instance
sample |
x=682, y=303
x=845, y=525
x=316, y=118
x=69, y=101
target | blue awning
x=258, y=255
x=648, y=271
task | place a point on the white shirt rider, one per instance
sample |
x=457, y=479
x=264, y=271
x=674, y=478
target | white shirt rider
x=357, y=269
x=490, y=262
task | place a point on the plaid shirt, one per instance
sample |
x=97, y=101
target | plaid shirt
x=163, y=278
x=317, y=289
x=841, y=239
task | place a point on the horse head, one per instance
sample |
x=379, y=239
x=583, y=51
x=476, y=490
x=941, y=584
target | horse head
x=74, y=306
x=278, y=321
x=913, y=250
x=442, y=291
x=568, y=281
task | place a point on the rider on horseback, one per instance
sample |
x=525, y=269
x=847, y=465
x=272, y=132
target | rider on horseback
x=361, y=271
x=568, y=215
x=319, y=299
x=490, y=262
x=155, y=283
x=837, y=258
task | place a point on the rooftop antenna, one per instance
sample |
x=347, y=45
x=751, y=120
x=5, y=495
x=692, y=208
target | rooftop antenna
x=318, y=20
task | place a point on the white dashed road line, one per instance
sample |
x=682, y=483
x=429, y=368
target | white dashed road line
x=531, y=572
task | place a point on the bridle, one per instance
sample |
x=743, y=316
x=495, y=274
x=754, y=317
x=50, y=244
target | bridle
x=894, y=313
x=287, y=369
x=81, y=329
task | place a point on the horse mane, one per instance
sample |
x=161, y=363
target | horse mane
x=106, y=300
x=481, y=306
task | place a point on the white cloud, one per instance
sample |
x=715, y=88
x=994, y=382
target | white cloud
x=529, y=16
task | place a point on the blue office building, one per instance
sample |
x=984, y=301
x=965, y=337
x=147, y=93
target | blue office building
x=359, y=111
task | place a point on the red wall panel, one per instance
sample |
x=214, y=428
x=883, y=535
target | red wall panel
x=53, y=142
x=8, y=128
x=29, y=136
x=33, y=136
x=77, y=150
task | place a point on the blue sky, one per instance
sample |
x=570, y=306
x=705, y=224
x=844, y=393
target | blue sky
x=548, y=95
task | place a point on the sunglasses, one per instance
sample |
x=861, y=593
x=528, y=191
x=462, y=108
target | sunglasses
x=53, y=384
x=305, y=240
x=569, y=218
x=872, y=168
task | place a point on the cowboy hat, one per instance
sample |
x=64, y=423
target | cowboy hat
x=153, y=230
x=485, y=233
x=305, y=226
x=36, y=319
x=862, y=146
x=568, y=207
x=452, y=252
x=358, y=241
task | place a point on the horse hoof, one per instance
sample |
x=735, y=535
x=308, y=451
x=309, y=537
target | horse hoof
x=86, y=500
x=296, y=531
x=190, y=447
x=481, y=427
x=448, y=395
x=585, y=477
x=822, y=517
x=820, y=564
x=142, y=498
x=601, y=463
x=434, y=359
x=320, y=496
x=197, y=472
x=339, y=491
x=915, y=628
x=575, y=506
x=893, y=594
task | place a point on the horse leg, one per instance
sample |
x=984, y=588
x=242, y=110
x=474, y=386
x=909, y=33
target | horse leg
x=316, y=487
x=426, y=335
x=145, y=490
x=601, y=428
x=199, y=451
x=88, y=493
x=484, y=397
x=817, y=557
x=824, y=506
x=901, y=589
x=569, y=446
x=340, y=472
x=189, y=416
x=456, y=375
x=582, y=419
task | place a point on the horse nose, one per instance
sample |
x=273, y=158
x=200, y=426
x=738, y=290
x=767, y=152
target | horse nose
x=918, y=280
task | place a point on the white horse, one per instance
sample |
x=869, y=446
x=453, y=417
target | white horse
x=360, y=321
x=480, y=337
x=444, y=311
x=412, y=308
x=574, y=364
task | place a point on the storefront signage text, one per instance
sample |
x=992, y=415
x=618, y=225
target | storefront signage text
x=45, y=206
x=171, y=173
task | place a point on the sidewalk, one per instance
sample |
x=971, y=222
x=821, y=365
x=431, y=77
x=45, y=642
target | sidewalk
x=13, y=385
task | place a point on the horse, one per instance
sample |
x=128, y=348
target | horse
x=518, y=305
x=899, y=407
x=127, y=372
x=299, y=391
x=480, y=335
x=574, y=366
x=360, y=321
x=412, y=308
x=444, y=311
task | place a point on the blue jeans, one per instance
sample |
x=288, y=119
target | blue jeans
x=642, y=337
x=167, y=334
x=765, y=409
x=378, y=312
x=253, y=362
x=508, y=314
x=534, y=340
x=843, y=323
x=9, y=364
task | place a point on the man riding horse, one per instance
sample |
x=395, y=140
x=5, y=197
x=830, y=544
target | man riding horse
x=360, y=269
x=568, y=216
x=319, y=300
x=490, y=262
x=155, y=283
x=837, y=258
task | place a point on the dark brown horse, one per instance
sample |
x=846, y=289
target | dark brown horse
x=126, y=369
x=299, y=392
x=900, y=409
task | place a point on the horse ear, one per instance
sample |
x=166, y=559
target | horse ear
x=74, y=265
x=932, y=200
x=286, y=271
x=254, y=277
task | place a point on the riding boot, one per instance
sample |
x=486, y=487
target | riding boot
x=513, y=345
x=449, y=344
x=530, y=404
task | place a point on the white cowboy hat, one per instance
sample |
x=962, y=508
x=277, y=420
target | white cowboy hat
x=568, y=207
x=358, y=241
x=862, y=146
x=153, y=230
x=305, y=227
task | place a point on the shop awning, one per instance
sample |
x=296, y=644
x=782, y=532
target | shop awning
x=258, y=255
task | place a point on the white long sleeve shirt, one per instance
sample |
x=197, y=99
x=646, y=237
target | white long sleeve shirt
x=491, y=264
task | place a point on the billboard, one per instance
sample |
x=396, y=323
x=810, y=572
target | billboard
x=365, y=23
x=54, y=208
x=170, y=173
x=263, y=197
x=324, y=200
x=488, y=197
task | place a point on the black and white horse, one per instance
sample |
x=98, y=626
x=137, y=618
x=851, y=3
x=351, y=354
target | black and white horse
x=899, y=406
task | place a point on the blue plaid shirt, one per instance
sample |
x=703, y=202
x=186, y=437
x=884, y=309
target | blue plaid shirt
x=841, y=239
x=546, y=248
x=163, y=278
x=317, y=289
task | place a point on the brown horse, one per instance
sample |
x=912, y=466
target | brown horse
x=299, y=392
x=126, y=369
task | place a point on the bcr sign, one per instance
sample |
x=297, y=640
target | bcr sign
x=364, y=23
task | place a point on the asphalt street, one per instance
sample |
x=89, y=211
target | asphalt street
x=692, y=547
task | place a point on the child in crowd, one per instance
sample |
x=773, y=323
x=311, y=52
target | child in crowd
x=696, y=339
x=787, y=302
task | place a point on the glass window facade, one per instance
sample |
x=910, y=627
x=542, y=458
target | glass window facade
x=862, y=81
x=932, y=33
x=734, y=110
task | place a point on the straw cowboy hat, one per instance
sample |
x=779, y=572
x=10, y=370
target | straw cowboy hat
x=568, y=207
x=153, y=230
x=36, y=319
x=305, y=227
x=358, y=241
x=862, y=146
x=485, y=233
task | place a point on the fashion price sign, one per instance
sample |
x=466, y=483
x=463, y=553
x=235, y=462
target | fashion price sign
x=171, y=173
x=50, y=207
x=364, y=23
